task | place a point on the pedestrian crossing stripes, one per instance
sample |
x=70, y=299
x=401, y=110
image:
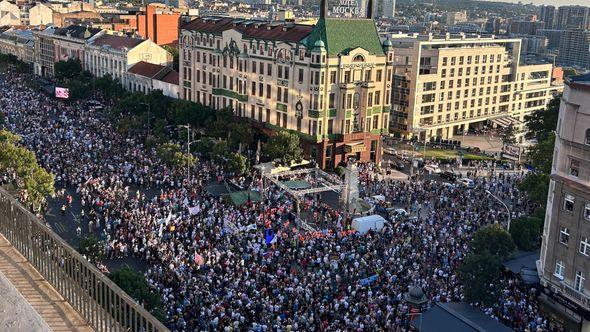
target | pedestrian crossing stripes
x=59, y=227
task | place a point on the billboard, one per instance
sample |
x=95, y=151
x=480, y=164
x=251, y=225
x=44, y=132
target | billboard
x=63, y=93
x=512, y=152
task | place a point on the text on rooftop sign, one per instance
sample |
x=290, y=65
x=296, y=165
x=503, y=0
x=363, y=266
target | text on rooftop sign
x=347, y=7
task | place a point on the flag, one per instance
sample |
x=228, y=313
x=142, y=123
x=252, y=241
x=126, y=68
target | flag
x=199, y=259
x=269, y=235
x=251, y=227
x=194, y=210
x=169, y=218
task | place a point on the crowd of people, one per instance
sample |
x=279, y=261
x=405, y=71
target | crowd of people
x=219, y=266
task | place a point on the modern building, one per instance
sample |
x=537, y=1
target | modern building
x=553, y=37
x=329, y=82
x=452, y=18
x=573, y=17
x=388, y=9
x=548, y=15
x=526, y=27
x=574, y=48
x=564, y=264
x=114, y=55
x=443, y=86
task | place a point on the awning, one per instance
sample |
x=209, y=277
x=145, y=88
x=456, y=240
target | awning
x=505, y=121
x=354, y=147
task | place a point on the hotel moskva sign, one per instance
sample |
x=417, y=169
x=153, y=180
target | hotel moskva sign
x=347, y=7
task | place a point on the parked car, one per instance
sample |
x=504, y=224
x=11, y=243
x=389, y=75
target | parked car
x=390, y=151
x=449, y=176
x=432, y=168
x=468, y=183
x=399, y=213
x=399, y=165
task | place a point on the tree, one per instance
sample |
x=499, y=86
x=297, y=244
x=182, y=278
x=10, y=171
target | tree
x=174, y=51
x=237, y=163
x=536, y=185
x=91, y=248
x=136, y=286
x=219, y=152
x=541, y=154
x=2, y=120
x=35, y=181
x=67, y=70
x=493, y=239
x=285, y=147
x=240, y=135
x=173, y=156
x=480, y=273
x=542, y=123
x=218, y=125
x=508, y=135
x=526, y=232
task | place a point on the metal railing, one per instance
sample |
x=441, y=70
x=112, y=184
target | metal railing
x=103, y=305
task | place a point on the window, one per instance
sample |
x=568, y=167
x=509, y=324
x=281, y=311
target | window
x=564, y=235
x=300, y=75
x=379, y=74
x=587, y=211
x=574, y=167
x=559, y=269
x=587, y=139
x=579, y=281
x=332, y=77
x=584, y=246
x=568, y=203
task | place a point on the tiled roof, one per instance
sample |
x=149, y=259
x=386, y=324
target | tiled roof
x=118, y=42
x=283, y=31
x=146, y=69
x=77, y=31
x=342, y=35
x=172, y=77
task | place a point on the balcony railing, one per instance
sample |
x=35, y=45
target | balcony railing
x=103, y=305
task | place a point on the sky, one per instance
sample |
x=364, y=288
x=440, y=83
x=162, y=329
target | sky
x=551, y=2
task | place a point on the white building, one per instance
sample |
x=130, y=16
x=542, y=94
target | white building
x=40, y=14
x=9, y=14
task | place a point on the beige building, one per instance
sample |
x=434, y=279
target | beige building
x=44, y=52
x=114, y=55
x=70, y=42
x=9, y=14
x=146, y=77
x=443, y=86
x=20, y=43
x=565, y=253
x=329, y=82
x=40, y=14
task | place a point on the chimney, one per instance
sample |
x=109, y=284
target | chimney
x=323, y=9
x=370, y=9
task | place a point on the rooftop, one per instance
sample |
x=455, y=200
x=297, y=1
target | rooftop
x=77, y=31
x=457, y=317
x=146, y=69
x=118, y=42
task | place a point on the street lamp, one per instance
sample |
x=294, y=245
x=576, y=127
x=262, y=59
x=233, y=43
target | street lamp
x=188, y=149
x=505, y=206
x=149, y=116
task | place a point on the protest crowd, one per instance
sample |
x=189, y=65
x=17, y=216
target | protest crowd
x=211, y=261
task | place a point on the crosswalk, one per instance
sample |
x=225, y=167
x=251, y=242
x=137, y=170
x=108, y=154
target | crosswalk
x=59, y=227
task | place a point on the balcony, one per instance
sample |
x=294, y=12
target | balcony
x=230, y=94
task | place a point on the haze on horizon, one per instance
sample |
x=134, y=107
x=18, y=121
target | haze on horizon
x=549, y=2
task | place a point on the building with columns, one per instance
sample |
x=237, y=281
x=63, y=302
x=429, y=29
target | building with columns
x=443, y=86
x=329, y=82
x=564, y=265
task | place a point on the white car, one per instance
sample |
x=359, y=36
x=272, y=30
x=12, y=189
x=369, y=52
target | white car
x=390, y=151
x=468, y=183
x=432, y=168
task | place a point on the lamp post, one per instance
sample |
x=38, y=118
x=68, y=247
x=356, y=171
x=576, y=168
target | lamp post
x=149, y=116
x=503, y=204
x=188, y=149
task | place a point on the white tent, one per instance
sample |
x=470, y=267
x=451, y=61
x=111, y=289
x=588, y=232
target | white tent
x=364, y=224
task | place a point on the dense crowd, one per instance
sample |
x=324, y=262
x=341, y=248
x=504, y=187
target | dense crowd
x=212, y=261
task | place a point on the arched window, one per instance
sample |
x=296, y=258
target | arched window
x=587, y=137
x=358, y=58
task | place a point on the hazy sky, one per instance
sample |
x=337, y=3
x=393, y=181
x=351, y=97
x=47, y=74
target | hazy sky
x=551, y=2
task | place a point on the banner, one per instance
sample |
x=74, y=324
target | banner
x=63, y=93
x=194, y=210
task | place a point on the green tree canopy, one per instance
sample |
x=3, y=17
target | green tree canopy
x=480, y=274
x=284, y=146
x=237, y=163
x=536, y=185
x=67, y=70
x=543, y=123
x=541, y=154
x=173, y=156
x=91, y=248
x=135, y=284
x=240, y=135
x=526, y=232
x=494, y=240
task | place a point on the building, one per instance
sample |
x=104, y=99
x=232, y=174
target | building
x=20, y=43
x=444, y=86
x=145, y=77
x=9, y=14
x=564, y=264
x=70, y=42
x=114, y=55
x=553, y=37
x=526, y=27
x=573, y=17
x=452, y=18
x=44, y=52
x=548, y=15
x=388, y=9
x=329, y=82
x=574, y=48
x=40, y=14
x=158, y=23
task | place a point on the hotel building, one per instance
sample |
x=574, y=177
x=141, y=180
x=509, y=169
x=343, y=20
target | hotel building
x=444, y=85
x=329, y=82
x=565, y=253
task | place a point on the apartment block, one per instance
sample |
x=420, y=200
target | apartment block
x=564, y=264
x=329, y=82
x=573, y=17
x=574, y=48
x=443, y=86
